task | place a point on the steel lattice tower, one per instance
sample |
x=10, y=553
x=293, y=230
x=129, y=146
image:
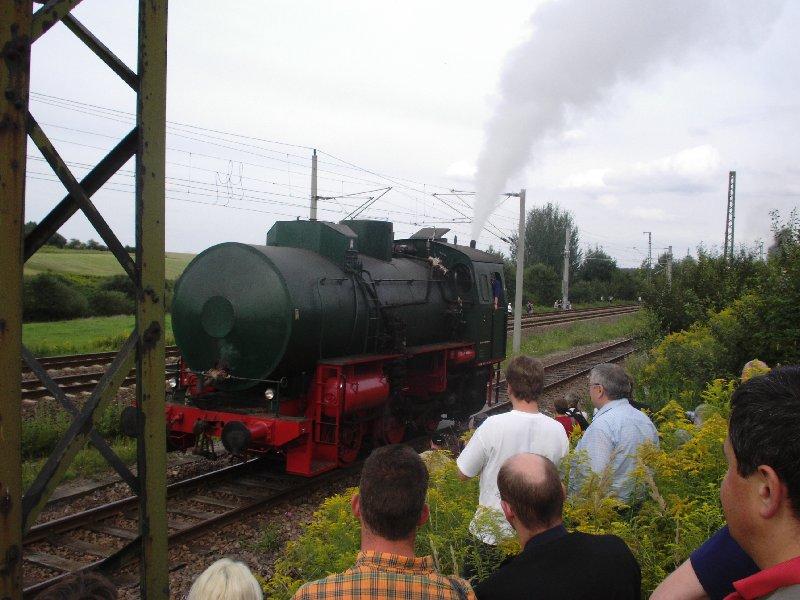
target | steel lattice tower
x=729, y=217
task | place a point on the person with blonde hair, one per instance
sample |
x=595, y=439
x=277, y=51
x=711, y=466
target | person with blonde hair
x=226, y=579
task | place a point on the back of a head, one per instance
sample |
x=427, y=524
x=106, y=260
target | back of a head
x=561, y=404
x=394, y=482
x=226, y=579
x=82, y=586
x=615, y=380
x=525, y=377
x=764, y=424
x=530, y=483
x=754, y=368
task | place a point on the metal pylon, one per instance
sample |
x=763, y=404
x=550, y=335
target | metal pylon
x=728, y=252
x=20, y=27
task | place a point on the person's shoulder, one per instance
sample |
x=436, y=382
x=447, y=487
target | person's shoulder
x=496, y=422
x=322, y=588
x=497, y=584
x=608, y=545
x=461, y=587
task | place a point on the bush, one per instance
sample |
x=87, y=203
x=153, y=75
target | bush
x=331, y=540
x=682, y=508
x=48, y=297
x=541, y=284
x=120, y=283
x=106, y=303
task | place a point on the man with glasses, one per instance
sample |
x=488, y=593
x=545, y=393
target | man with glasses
x=609, y=446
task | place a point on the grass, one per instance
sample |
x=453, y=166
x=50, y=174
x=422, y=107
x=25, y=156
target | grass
x=578, y=334
x=271, y=539
x=94, y=262
x=88, y=462
x=42, y=430
x=94, y=334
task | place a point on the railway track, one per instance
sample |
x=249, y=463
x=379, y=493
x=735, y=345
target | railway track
x=105, y=538
x=566, y=370
x=553, y=318
x=71, y=384
x=81, y=382
x=51, y=363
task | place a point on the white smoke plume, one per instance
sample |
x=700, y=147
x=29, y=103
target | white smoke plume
x=578, y=50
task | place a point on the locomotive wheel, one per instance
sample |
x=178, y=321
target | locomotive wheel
x=389, y=430
x=428, y=423
x=350, y=438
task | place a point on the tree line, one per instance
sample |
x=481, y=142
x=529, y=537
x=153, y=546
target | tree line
x=59, y=241
x=593, y=275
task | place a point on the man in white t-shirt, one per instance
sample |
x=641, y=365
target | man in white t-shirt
x=522, y=430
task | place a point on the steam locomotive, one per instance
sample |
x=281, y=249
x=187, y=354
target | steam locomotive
x=330, y=337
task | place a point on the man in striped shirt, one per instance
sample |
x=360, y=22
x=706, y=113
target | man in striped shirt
x=391, y=507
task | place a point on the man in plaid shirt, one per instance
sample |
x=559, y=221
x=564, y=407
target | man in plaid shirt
x=391, y=507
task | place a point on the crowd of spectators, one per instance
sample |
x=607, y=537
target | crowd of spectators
x=516, y=456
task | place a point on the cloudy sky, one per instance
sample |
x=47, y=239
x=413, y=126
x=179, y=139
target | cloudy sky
x=647, y=114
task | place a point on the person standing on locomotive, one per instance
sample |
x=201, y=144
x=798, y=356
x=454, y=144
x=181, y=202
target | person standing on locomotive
x=522, y=430
x=497, y=290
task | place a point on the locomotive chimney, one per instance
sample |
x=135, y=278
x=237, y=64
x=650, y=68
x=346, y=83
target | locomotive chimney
x=472, y=243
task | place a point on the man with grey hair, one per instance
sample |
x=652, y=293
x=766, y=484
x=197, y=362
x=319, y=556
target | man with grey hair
x=613, y=438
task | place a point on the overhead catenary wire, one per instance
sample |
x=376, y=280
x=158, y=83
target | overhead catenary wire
x=234, y=182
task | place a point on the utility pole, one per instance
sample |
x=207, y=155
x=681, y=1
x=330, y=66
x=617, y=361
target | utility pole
x=669, y=267
x=517, y=337
x=314, y=196
x=649, y=251
x=761, y=250
x=729, y=217
x=565, y=276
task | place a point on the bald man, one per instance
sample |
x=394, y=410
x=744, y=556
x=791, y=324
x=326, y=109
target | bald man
x=554, y=563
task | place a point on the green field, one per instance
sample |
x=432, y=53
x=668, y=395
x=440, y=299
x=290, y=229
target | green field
x=93, y=262
x=95, y=334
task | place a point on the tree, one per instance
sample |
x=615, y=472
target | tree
x=95, y=245
x=57, y=240
x=49, y=297
x=544, y=238
x=541, y=284
x=597, y=265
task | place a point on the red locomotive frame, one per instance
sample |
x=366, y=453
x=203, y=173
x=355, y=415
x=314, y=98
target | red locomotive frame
x=346, y=403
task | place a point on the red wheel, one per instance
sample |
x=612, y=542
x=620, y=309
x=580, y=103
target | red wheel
x=428, y=423
x=350, y=438
x=389, y=430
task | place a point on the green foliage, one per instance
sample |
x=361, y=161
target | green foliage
x=544, y=238
x=76, y=259
x=105, y=303
x=96, y=334
x=42, y=430
x=87, y=463
x=331, y=541
x=579, y=333
x=50, y=297
x=120, y=283
x=271, y=538
x=597, y=265
x=680, y=511
x=699, y=286
x=760, y=318
x=57, y=240
x=541, y=284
